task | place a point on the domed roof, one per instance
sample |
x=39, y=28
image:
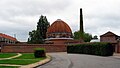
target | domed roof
x=59, y=26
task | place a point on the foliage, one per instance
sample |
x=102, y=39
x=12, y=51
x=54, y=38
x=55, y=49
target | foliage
x=37, y=36
x=86, y=36
x=26, y=58
x=95, y=37
x=42, y=26
x=101, y=49
x=7, y=55
x=39, y=49
x=39, y=52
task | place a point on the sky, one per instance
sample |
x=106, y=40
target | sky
x=18, y=17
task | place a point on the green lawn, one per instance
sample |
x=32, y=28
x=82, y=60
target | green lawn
x=8, y=67
x=6, y=55
x=26, y=58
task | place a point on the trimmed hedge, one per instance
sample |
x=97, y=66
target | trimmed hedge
x=98, y=48
x=39, y=52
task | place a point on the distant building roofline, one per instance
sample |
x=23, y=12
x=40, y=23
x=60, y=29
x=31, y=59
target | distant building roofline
x=109, y=33
x=7, y=37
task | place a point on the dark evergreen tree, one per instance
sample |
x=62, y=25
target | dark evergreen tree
x=42, y=26
x=37, y=36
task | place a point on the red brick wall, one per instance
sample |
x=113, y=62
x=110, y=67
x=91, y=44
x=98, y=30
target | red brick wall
x=111, y=39
x=26, y=48
x=117, y=47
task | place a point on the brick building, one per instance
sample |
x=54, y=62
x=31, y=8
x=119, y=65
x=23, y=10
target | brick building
x=59, y=33
x=112, y=38
x=7, y=39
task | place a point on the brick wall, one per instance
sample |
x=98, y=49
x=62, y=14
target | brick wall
x=117, y=47
x=27, y=48
x=111, y=39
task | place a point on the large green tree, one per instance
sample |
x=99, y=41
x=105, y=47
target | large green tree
x=85, y=36
x=42, y=26
x=37, y=36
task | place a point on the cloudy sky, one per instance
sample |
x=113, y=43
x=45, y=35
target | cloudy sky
x=18, y=17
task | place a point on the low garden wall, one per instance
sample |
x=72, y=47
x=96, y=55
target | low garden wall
x=28, y=48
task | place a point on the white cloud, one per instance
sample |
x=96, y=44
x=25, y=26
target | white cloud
x=21, y=16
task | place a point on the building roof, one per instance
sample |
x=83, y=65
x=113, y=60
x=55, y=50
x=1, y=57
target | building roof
x=7, y=37
x=109, y=33
x=59, y=26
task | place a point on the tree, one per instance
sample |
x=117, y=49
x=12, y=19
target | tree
x=37, y=36
x=86, y=36
x=95, y=37
x=42, y=26
x=32, y=37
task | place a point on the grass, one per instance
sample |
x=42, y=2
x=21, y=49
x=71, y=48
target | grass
x=18, y=61
x=7, y=55
x=8, y=67
x=26, y=58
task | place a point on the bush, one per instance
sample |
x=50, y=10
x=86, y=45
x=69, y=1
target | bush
x=39, y=52
x=98, y=48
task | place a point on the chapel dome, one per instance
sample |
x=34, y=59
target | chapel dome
x=59, y=26
x=59, y=29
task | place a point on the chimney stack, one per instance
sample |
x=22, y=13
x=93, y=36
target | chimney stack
x=81, y=21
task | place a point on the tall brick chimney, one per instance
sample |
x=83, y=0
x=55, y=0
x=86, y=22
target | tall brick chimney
x=81, y=27
x=81, y=21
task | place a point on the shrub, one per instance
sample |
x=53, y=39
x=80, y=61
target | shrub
x=39, y=52
x=99, y=48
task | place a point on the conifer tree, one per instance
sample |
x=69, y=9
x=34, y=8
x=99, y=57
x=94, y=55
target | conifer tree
x=37, y=36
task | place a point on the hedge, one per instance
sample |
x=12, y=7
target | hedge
x=98, y=48
x=39, y=52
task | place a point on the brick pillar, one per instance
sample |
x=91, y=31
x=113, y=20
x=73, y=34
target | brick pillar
x=117, y=47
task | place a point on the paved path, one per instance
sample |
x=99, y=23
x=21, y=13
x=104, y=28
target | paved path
x=59, y=60
x=18, y=55
x=88, y=61
x=9, y=65
x=64, y=60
